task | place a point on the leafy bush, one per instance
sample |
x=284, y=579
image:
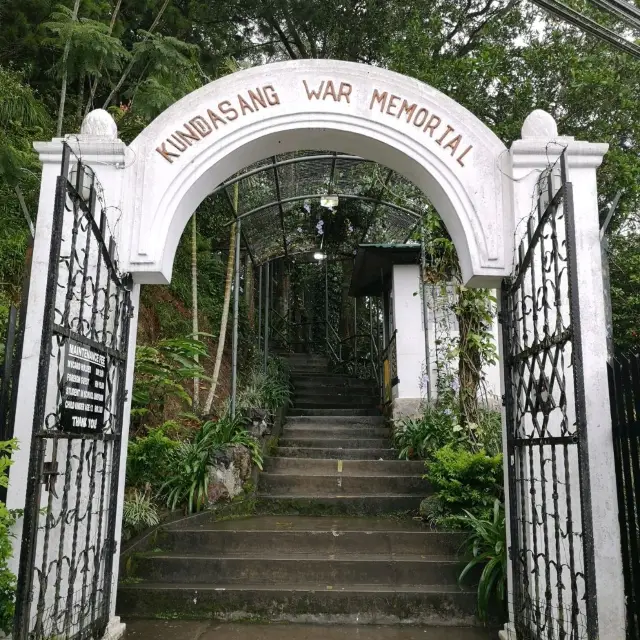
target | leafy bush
x=490, y=430
x=188, y=481
x=487, y=547
x=462, y=481
x=418, y=438
x=139, y=513
x=148, y=459
x=268, y=391
x=7, y=520
x=161, y=373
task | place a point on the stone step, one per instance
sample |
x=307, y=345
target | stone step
x=331, y=504
x=321, y=379
x=305, y=453
x=335, y=443
x=360, y=412
x=313, y=535
x=361, y=604
x=296, y=568
x=332, y=380
x=349, y=467
x=317, y=542
x=356, y=402
x=337, y=431
x=323, y=392
x=335, y=420
x=339, y=484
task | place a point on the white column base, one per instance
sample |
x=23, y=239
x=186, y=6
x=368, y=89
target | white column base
x=508, y=633
x=115, y=629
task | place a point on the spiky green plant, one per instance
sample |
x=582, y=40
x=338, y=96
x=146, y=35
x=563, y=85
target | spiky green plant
x=487, y=546
x=139, y=512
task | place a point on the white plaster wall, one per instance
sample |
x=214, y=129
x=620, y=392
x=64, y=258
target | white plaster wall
x=407, y=312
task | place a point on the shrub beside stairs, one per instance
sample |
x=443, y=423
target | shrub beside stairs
x=333, y=539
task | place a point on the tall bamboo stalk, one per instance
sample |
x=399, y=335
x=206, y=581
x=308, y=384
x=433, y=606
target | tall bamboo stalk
x=194, y=299
x=65, y=73
x=225, y=309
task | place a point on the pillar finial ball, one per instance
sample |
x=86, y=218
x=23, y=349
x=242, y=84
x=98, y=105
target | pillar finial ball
x=99, y=123
x=540, y=124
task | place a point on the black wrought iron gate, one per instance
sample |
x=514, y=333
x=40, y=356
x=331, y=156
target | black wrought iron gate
x=68, y=540
x=552, y=556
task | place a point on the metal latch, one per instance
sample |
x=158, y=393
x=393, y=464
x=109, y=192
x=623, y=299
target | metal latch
x=49, y=474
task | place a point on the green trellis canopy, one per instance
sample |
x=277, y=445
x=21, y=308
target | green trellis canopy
x=282, y=202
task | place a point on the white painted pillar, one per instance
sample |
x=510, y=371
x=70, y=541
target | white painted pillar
x=98, y=147
x=410, y=343
x=117, y=628
x=539, y=147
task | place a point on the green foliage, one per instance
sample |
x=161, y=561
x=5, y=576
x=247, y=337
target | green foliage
x=148, y=459
x=162, y=372
x=171, y=71
x=624, y=269
x=138, y=513
x=268, y=391
x=188, y=476
x=92, y=49
x=188, y=470
x=7, y=520
x=462, y=481
x=419, y=438
x=487, y=548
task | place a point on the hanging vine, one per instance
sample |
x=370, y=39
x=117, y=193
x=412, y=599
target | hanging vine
x=473, y=349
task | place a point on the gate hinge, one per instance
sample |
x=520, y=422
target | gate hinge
x=49, y=473
x=503, y=397
x=500, y=317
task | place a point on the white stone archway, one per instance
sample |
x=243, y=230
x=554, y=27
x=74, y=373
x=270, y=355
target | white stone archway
x=481, y=190
x=318, y=104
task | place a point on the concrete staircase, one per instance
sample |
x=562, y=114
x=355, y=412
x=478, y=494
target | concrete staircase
x=341, y=547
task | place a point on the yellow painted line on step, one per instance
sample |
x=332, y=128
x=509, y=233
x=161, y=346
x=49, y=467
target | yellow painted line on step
x=339, y=466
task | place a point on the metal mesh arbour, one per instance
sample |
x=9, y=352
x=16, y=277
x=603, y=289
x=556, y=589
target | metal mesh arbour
x=274, y=197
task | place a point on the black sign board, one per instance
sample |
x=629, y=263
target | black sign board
x=84, y=384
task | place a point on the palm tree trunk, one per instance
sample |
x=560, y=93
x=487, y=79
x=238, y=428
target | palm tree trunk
x=65, y=75
x=194, y=296
x=225, y=309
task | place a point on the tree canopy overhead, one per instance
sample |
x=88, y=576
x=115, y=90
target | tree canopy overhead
x=499, y=58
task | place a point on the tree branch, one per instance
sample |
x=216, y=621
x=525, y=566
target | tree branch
x=273, y=23
x=127, y=71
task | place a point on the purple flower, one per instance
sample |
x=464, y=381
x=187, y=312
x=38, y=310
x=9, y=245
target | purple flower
x=447, y=412
x=455, y=385
x=320, y=227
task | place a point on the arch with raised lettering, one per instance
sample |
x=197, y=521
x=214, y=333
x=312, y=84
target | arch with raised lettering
x=317, y=104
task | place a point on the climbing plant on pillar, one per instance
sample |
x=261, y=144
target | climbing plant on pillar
x=474, y=309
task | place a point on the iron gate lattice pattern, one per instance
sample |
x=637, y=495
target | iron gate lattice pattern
x=550, y=521
x=624, y=394
x=68, y=540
